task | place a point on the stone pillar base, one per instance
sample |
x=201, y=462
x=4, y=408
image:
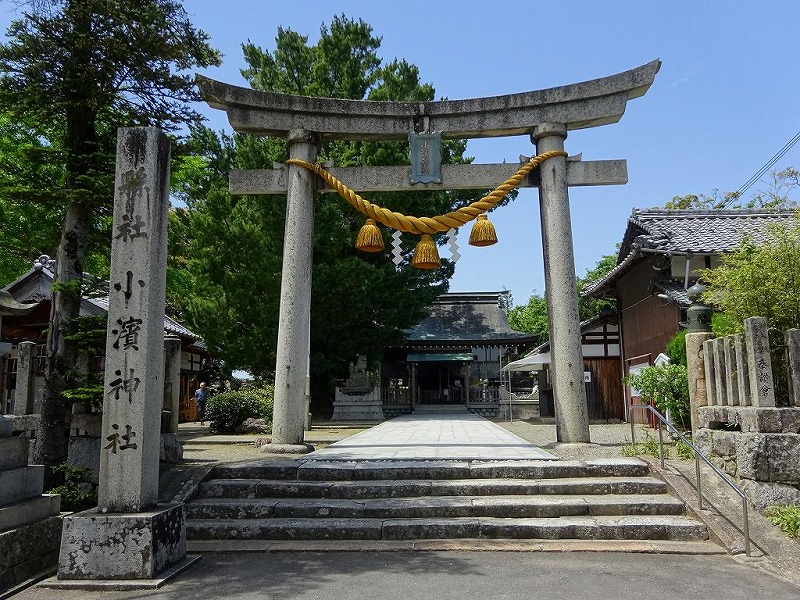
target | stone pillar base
x=122, y=545
x=358, y=407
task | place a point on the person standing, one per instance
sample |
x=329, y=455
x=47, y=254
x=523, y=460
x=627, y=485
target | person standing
x=200, y=399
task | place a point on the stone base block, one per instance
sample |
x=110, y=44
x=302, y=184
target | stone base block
x=750, y=419
x=21, y=484
x=171, y=449
x=519, y=410
x=29, y=511
x=28, y=550
x=349, y=406
x=13, y=452
x=763, y=494
x=122, y=546
x=357, y=411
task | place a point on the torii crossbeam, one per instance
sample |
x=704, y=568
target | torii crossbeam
x=546, y=115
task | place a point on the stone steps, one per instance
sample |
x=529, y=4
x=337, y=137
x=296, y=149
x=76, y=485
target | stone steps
x=345, y=470
x=270, y=488
x=552, y=506
x=626, y=527
x=308, y=499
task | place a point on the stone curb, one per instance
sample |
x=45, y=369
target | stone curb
x=467, y=545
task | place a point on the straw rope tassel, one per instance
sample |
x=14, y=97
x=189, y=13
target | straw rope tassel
x=369, y=238
x=483, y=233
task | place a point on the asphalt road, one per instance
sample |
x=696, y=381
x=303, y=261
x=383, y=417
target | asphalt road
x=457, y=575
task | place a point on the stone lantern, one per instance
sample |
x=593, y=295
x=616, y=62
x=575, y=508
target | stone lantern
x=698, y=315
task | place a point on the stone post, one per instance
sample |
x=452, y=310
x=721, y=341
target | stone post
x=128, y=536
x=742, y=372
x=696, y=371
x=134, y=369
x=792, y=340
x=710, y=369
x=721, y=381
x=26, y=373
x=762, y=389
x=731, y=382
x=572, y=422
x=291, y=367
x=172, y=379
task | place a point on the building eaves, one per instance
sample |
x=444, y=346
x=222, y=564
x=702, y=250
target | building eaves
x=686, y=232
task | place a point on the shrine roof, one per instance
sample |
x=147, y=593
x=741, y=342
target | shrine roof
x=467, y=317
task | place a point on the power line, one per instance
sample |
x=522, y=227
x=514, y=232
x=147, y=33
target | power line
x=767, y=166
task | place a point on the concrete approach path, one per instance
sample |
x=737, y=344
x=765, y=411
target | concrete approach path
x=433, y=437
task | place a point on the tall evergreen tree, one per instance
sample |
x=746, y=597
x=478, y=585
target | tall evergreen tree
x=78, y=70
x=361, y=303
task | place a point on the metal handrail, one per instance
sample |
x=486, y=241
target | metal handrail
x=697, y=457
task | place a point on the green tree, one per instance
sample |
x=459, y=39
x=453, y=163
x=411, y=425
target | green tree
x=777, y=195
x=74, y=71
x=361, y=303
x=30, y=217
x=532, y=317
x=759, y=280
x=764, y=281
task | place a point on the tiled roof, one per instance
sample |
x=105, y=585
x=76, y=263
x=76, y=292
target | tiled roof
x=466, y=317
x=680, y=232
x=101, y=304
x=698, y=231
x=170, y=325
x=673, y=290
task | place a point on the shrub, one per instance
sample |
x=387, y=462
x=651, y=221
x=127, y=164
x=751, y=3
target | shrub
x=684, y=450
x=667, y=386
x=229, y=410
x=77, y=492
x=676, y=348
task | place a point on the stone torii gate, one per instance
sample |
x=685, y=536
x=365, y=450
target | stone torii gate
x=546, y=115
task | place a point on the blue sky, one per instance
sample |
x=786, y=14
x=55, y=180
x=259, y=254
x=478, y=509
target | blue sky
x=726, y=100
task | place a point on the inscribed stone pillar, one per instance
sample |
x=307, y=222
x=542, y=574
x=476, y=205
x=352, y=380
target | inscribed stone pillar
x=26, y=373
x=762, y=389
x=731, y=384
x=134, y=371
x=742, y=372
x=711, y=378
x=172, y=379
x=572, y=422
x=291, y=367
x=792, y=340
x=696, y=371
x=721, y=381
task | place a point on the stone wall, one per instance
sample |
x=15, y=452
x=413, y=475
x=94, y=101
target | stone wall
x=760, y=447
x=30, y=525
x=744, y=428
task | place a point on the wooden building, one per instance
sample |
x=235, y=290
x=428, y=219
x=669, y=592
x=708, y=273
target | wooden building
x=601, y=369
x=19, y=325
x=660, y=257
x=453, y=358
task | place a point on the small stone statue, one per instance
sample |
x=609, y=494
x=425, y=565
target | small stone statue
x=358, y=381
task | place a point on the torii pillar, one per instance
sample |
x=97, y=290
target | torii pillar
x=564, y=323
x=294, y=320
x=546, y=115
